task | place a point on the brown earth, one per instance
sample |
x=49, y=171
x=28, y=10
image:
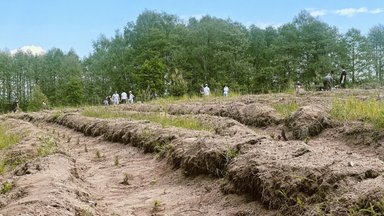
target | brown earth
x=253, y=162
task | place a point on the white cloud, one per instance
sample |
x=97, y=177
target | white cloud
x=350, y=12
x=264, y=25
x=32, y=49
x=377, y=11
x=316, y=13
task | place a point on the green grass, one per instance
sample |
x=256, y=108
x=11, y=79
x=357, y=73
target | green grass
x=286, y=109
x=7, y=139
x=353, y=109
x=163, y=119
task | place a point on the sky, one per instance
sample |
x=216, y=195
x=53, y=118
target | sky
x=40, y=25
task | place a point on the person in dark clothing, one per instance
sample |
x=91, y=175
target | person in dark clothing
x=15, y=106
x=343, y=78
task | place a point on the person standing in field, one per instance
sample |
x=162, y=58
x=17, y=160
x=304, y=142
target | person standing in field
x=343, y=78
x=207, y=91
x=115, y=98
x=327, y=81
x=131, y=97
x=123, y=97
x=225, y=91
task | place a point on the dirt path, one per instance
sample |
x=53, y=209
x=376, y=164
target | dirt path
x=153, y=187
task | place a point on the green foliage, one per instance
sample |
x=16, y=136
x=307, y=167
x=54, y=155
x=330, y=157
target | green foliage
x=36, y=102
x=159, y=54
x=73, y=92
x=370, y=111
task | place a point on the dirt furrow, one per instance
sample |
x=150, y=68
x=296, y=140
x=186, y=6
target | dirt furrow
x=152, y=187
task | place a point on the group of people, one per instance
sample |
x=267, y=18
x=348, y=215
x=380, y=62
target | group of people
x=206, y=91
x=328, y=82
x=115, y=98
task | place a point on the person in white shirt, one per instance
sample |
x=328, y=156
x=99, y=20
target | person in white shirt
x=131, y=96
x=207, y=91
x=225, y=91
x=123, y=97
x=115, y=98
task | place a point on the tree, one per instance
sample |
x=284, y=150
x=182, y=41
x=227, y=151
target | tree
x=38, y=97
x=73, y=92
x=376, y=41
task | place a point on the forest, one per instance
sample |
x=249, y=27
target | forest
x=161, y=54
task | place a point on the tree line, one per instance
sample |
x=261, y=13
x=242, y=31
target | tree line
x=160, y=54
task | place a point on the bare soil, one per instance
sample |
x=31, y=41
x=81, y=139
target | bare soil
x=253, y=162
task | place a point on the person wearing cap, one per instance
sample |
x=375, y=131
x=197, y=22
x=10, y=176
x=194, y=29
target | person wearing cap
x=130, y=98
x=207, y=91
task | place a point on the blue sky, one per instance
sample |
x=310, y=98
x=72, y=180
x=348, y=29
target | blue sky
x=67, y=24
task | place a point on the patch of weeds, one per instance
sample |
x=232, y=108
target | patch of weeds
x=230, y=154
x=84, y=212
x=116, y=161
x=98, y=154
x=7, y=139
x=125, y=179
x=368, y=207
x=156, y=206
x=6, y=187
x=286, y=109
x=47, y=146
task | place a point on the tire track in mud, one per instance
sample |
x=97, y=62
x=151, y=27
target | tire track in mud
x=153, y=189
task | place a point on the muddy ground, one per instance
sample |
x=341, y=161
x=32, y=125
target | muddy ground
x=253, y=161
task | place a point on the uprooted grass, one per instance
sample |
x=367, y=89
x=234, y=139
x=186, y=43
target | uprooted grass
x=353, y=109
x=163, y=119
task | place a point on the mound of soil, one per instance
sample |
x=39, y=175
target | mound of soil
x=291, y=175
x=308, y=121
